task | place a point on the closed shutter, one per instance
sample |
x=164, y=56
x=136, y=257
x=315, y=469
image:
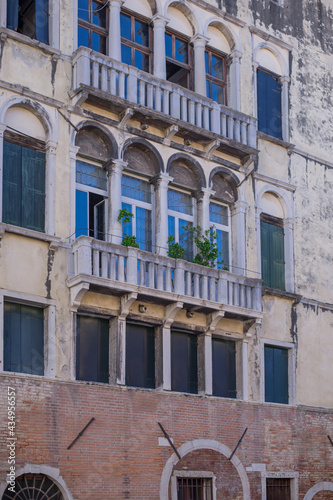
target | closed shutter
x=184, y=363
x=140, y=356
x=269, y=104
x=33, y=189
x=12, y=14
x=224, y=368
x=12, y=180
x=276, y=375
x=92, y=349
x=272, y=255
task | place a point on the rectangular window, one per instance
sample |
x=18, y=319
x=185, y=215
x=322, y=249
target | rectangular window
x=269, y=104
x=23, y=187
x=135, y=42
x=278, y=489
x=224, y=368
x=92, y=349
x=216, y=77
x=276, y=374
x=184, y=362
x=272, y=252
x=179, y=64
x=180, y=216
x=140, y=356
x=196, y=488
x=29, y=17
x=91, y=192
x=137, y=199
x=23, y=339
x=93, y=24
x=219, y=216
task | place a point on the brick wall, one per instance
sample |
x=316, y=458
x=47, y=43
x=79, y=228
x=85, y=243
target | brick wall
x=118, y=456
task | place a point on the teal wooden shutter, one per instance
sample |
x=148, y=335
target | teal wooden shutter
x=265, y=254
x=269, y=104
x=33, y=189
x=276, y=375
x=12, y=199
x=272, y=255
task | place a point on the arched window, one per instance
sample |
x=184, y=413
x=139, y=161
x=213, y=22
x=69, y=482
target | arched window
x=216, y=66
x=33, y=486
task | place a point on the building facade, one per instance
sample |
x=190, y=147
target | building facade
x=144, y=370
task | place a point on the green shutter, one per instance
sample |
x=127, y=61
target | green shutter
x=11, y=205
x=276, y=375
x=272, y=255
x=33, y=189
x=265, y=256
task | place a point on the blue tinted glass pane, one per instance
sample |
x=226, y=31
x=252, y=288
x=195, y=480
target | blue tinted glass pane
x=180, y=202
x=83, y=37
x=99, y=14
x=218, y=214
x=83, y=12
x=141, y=61
x=217, y=93
x=127, y=227
x=223, y=249
x=171, y=226
x=217, y=67
x=208, y=92
x=135, y=188
x=206, y=62
x=81, y=214
x=168, y=45
x=143, y=229
x=98, y=43
x=126, y=54
x=141, y=33
x=181, y=51
x=185, y=240
x=91, y=175
x=125, y=26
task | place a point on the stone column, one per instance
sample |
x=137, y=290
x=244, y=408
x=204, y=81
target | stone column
x=50, y=361
x=255, y=85
x=289, y=254
x=284, y=81
x=238, y=235
x=114, y=230
x=234, y=80
x=2, y=131
x=73, y=151
x=159, y=23
x=161, y=213
x=199, y=45
x=50, y=187
x=203, y=200
x=245, y=381
x=114, y=29
x=208, y=364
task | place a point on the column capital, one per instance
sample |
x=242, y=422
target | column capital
x=158, y=20
x=51, y=147
x=199, y=40
x=115, y=166
x=162, y=180
x=204, y=194
x=116, y=3
x=284, y=79
x=255, y=65
x=3, y=127
x=235, y=55
x=239, y=207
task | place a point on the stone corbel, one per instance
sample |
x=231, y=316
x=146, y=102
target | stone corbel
x=211, y=148
x=213, y=320
x=80, y=98
x=248, y=160
x=249, y=324
x=124, y=117
x=125, y=304
x=77, y=292
x=169, y=133
x=170, y=312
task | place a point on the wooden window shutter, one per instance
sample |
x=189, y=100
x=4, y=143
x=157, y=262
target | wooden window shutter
x=276, y=375
x=272, y=255
x=33, y=189
x=12, y=180
x=12, y=14
x=269, y=104
x=42, y=20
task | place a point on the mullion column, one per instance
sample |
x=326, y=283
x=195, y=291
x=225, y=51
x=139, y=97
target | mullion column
x=159, y=23
x=114, y=229
x=161, y=213
x=199, y=44
x=114, y=29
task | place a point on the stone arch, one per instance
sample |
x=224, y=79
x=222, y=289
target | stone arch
x=145, y=151
x=50, y=472
x=230, y=178
x=187, y=11
x=38, y=110
x=232, y=39
x=276, y=54
x=200, y=444
x=103, y=137
x=197, y=179
x=143, y=6
x=321, y=486
x=281, y=195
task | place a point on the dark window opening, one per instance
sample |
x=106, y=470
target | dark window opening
x=276, y=375
x=29, y=17
x=184, y=362
x=179, y=64
x=93, y=25
x=272, y=252
x=23, y=186
x=224, y=368
x=140, y=356
x=92, y=349
x=278, y=489
x=135, y=42
x=34, y=487
x=269, y=104
x=216, y=77
x=23, y=339
x=194, y=488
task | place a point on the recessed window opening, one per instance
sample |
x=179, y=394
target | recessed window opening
x=34, y=487
x=219, y=216
x=137, y=198
x=269, y=104
x=29, y=17
x=180, y=216
x=276, y=374
x=272, y=251
x=179, y=60
x=140, y=356
x=194, y=488
x=91, y=194
x=278, y=488
x=92, y=349
x=135, y=41
x=224, y=367
x=216, y=76
x=184, y=362
x=93, y=24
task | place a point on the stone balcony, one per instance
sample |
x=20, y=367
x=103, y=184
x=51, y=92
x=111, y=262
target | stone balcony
x=118, y=270
x=165, y=105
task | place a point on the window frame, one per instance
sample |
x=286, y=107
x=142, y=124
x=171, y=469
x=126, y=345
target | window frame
x=148, y=50
x=192, y=474
x=267, y=130
x=210, y=79
x=221, y=227
x=292, y=475
x=93, y=28
x=51, y=24
x=189, y=66
x=181, y=216
x=291, y=370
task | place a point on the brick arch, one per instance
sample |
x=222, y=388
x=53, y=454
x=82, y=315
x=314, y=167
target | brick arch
x=201, y=444
x=322, y=486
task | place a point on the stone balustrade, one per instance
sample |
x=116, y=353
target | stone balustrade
x=116, y=265
x=127, y=82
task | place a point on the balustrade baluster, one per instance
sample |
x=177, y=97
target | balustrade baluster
x=223, y=125
x=196, y=280
x=230, y=127
x=104, y=78
x=113, y=267
x=168, y=282
x=160, y=279
x=244, y=133
x=95, y=74
x=206, y=123
x=150, y=96
x=188, y=284
x=191, y=107
x=237, y=130
x=183, y=108
x=249, y=297
x=104, y=263
x=121, y=268
x=95, y=262
x=113, y=82
x=142, y=93
x=151, y=277
x=166, y=97
x=158, y=99
x=198, y=114
x=122, y=85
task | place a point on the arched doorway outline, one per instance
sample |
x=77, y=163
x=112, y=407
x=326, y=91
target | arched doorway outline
x=321, y=486
x=201, y=444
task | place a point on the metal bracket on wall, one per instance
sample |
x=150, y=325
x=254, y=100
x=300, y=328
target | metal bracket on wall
x=239, y=442
x=80, y=433
x=168, y=438
x=329, y=437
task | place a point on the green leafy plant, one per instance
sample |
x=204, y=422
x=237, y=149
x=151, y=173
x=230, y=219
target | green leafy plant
x=175, y=250
x=125, y=217
x=206, y=244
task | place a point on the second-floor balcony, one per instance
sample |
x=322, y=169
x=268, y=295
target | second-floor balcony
x=168, y=106
x=115, y=269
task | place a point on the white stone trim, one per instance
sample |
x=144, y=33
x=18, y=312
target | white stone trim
x=293, y=476
x=51, y=472
x=193, y=474
x=291, y=369
x=201, y=444
x=321, y=486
